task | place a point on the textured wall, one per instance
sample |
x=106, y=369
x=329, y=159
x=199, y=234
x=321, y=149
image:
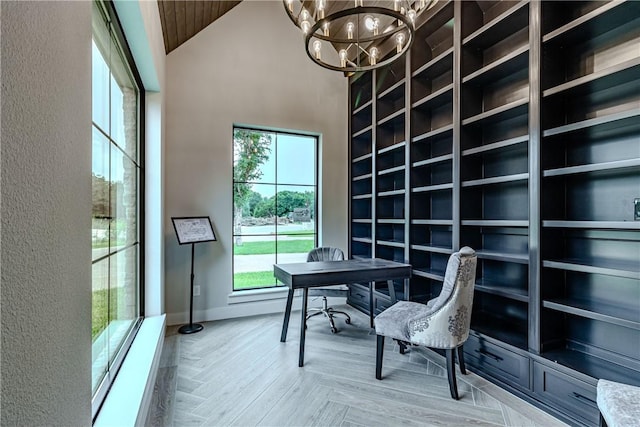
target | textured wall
x=249, y=67
x=46, y=213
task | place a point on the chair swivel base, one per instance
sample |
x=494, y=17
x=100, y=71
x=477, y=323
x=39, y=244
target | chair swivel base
x=329, y=314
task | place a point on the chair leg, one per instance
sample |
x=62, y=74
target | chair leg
x=379, y=353
x=463, y=368
x=347, y=319
x=451, y=373
x=334, y=330
x=313, y=313
x=602, y=421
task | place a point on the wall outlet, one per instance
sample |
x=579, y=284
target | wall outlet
x=196, y=291
x=636, y=209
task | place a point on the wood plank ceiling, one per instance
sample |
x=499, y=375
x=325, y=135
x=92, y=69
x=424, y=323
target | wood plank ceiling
x=182, y=19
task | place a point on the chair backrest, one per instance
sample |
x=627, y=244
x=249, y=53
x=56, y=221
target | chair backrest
x=461, y=268
x=326, y=253
x=450, y=313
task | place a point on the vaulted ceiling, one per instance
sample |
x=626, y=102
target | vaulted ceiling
x=182, y=19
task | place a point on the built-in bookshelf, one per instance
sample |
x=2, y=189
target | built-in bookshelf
x=513, y=127
x=494, y=163
x=590, y=167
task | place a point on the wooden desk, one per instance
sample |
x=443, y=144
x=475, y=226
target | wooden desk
x=305, y=275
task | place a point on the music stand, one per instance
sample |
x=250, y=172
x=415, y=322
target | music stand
x=192, y=230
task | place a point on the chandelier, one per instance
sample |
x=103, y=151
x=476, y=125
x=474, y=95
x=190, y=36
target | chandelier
x=356, y=35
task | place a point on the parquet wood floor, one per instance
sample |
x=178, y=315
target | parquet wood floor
x=237, y=373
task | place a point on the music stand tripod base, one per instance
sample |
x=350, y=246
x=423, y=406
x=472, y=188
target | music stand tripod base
x=191, y=328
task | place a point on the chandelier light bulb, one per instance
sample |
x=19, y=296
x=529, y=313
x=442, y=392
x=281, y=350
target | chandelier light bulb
x=399, y=42
x=368, y=22
x=350, y=27
x=306, y=26
x=396, y=5
x=304, y=15
x=412, y=16
x=373, y=55
x=317, y=46
x=320, y=5
x=400, y=22
x=372, y=24
x=358, y=3
x=325, y=29
x=290, y=5
x=343, y=57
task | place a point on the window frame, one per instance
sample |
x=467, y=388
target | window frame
x=114, y=27
x=316, y=186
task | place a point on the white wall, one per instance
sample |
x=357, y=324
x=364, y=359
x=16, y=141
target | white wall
x=249, y=67
x=46, y=213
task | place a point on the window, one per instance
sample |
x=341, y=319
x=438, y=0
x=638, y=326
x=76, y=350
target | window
x=274, y=203
x=116, y=185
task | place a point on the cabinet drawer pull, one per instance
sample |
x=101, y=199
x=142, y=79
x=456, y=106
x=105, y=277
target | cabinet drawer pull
x=584, y=398
x=489, y=354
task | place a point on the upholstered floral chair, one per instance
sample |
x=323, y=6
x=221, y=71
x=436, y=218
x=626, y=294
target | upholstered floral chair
x=442, y=323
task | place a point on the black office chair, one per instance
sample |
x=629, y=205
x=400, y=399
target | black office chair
x=327, y=254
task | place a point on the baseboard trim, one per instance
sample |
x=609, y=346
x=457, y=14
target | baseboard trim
x=246, y=309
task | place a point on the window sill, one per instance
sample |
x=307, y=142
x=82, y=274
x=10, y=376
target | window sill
x=127, y=403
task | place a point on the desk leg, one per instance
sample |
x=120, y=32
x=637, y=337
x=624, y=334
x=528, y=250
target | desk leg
x=287, y=314
x=392, y=292
x=303, y=324
x=371, y=304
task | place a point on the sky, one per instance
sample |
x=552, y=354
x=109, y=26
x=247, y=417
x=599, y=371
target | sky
x=292, y=161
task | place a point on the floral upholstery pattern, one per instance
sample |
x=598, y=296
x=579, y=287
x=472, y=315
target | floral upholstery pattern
x=445, y=320
x=458, y=322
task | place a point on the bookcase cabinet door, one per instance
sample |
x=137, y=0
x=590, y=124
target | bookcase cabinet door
x=498, y=361
x=566, y=393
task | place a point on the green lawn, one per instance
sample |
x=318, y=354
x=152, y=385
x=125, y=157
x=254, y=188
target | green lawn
x=253, y=279
x=269, y=247
x=297, y=233
x=99, y=319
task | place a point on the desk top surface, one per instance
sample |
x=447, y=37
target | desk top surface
x=308, y=274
